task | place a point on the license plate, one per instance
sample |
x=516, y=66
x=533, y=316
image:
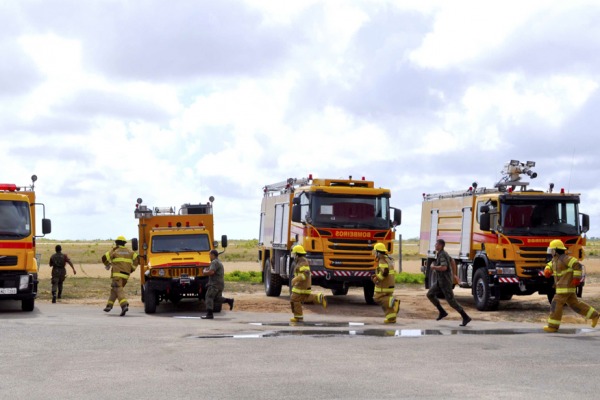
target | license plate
x=8, y=290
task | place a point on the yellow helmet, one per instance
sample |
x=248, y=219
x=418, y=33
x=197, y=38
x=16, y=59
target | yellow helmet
x=380, y=247
x=557, y=244
x=120, y=238
x=298, y=249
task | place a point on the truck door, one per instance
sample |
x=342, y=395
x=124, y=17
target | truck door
x=465, y=236
x=282, y=224
x=433, y=233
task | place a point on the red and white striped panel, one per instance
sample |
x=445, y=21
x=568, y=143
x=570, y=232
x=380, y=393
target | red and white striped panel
x=508, y=280
x=318, y=273
x=342, y=273
x=541, y=272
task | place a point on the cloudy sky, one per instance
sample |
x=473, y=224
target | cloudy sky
x=175, y=101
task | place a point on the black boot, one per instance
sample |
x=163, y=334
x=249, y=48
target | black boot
x=54, y=297
x=443, y=313
x=230, y=302
x=59, y=294
x=465, y=317
x=124, y=310
x=209, y=314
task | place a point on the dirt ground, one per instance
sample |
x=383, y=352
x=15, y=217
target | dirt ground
x=414, y=303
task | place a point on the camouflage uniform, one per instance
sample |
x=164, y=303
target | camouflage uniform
x=385, y=281
x=566, y=268
x=124, y=262
x=301, y=289
x=58, y=262
x=443, y=285
x=215, y=285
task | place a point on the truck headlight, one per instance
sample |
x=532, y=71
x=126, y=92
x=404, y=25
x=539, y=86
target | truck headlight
x=505, y=271
x=161, y=272
x=24, y=282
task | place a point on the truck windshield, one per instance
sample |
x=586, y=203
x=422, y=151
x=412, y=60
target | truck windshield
x=180, y=243
x=540, y=218
x=335, y=211
x=14, y=219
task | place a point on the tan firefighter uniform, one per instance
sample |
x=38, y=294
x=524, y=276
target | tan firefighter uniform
x=565, y=269
x=385, y=281
x=123, y=262
x=301, y=291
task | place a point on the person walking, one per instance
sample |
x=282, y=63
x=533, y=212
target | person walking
x=442, y=270
x=385, y=281
x=58, y=263
x=301, y=283
x=123, y=262
x=215, y=286
x=567, y=276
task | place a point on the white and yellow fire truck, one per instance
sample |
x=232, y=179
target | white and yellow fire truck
x=499, y=236
x=18, y=265
x=336, y=220
x=174, y=249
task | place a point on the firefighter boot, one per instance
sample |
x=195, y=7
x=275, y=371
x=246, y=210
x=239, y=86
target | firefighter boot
x=595, y=321
x=230, y=302
x=296, y=319
x=124, y=309
x=550, y=329
x=321, y=299
x=443, y=313
x=396, y=306
x=209, y=314
x=465, y=317
x=107, y=308
x=53, y=297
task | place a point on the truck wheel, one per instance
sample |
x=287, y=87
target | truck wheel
x=28, y=304
x=151, y=301
x=369, y=291
x=482, y=292
x=142, y=291
x=272, y=281
x=339, y=291
x=551, y=294
x=506, y=295
x=579, y=291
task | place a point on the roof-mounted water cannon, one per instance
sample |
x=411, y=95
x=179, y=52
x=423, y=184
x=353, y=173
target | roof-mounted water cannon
x=550, y=187
x=512, y=174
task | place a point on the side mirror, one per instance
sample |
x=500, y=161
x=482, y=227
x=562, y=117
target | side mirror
x=224, y=241
x=296, y=201
x=46, y=226
x=397, y=217
x=485, y=209
x=484, y=221
x=134, y=244
x=585, y=223
x=296, y=217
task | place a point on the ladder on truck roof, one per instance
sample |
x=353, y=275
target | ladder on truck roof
x=457, y=193
x=286, y=186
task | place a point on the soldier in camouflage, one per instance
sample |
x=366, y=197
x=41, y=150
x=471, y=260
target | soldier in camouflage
x=215, y=286
x=58, y=263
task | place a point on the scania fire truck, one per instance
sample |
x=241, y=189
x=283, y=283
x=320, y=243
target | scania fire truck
x=173, y=248
x=499, y=236
x=18, y=265
x=338, y=221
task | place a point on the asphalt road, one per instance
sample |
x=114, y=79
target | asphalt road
x=62, y=351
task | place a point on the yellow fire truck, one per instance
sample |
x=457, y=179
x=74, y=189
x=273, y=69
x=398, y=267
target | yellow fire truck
x=18, y=265
x=499, y=236
x=336, y=220
x=173, y=248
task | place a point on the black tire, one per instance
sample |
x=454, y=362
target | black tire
x=28, y=304
x=482, y=293
x=272, y=281
x=579, y=291
x=142, y=291
x=369, y=292
x=339, y=291
x=551, y=294
x=151, y=301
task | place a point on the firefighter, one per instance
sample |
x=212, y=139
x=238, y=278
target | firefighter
x=215, y=286
x=301, y=282
x=58, y=263
x=567, y=276
x=442, y=268
x=385, y=280
x=123, y=262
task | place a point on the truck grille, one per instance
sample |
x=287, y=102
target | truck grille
x=177, y=272
x=8, y=261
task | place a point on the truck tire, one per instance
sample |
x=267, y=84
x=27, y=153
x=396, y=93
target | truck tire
x=272, y=281
x=151, y=301
x=142, y=291
x=579, y=290
x=28, y=304
x=339, y=291
x=369, y=291
x=506, y=295
x=482, y=293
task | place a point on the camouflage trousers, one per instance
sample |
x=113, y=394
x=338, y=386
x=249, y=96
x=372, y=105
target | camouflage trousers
x=446, y=290
x=213, y=294
x=117, y=292
x=58, y=277
x=296, y=301
x=570, y=299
